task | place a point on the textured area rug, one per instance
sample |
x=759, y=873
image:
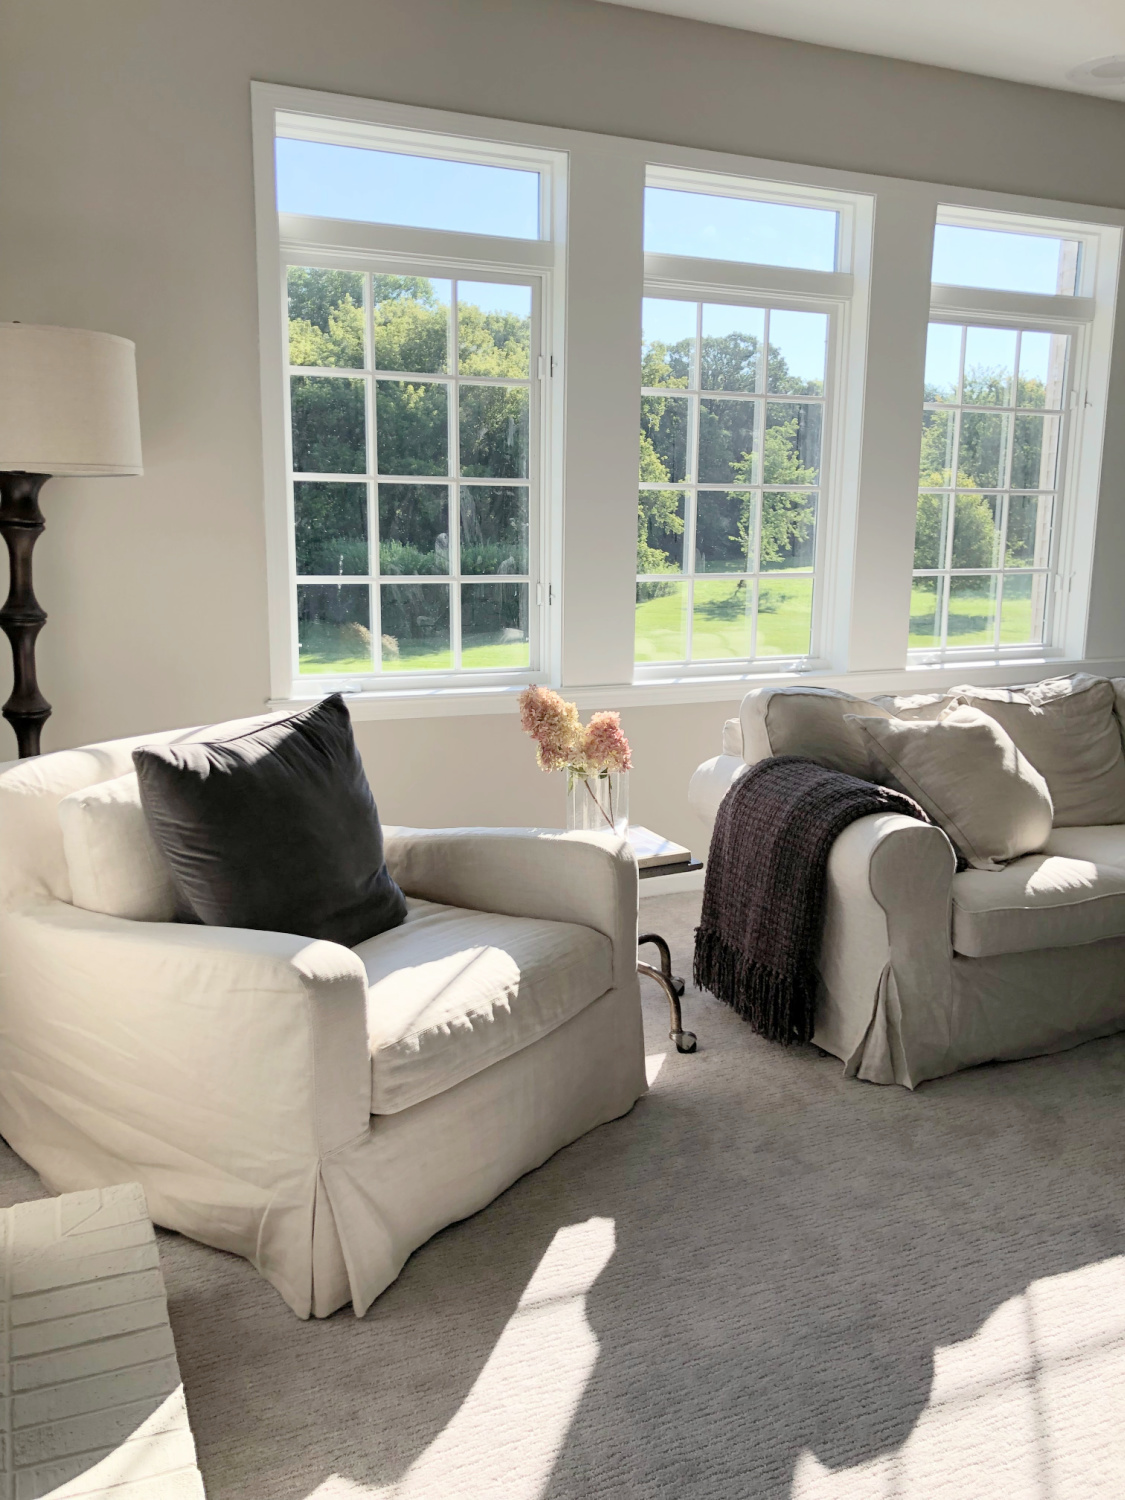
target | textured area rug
x=766, y=1281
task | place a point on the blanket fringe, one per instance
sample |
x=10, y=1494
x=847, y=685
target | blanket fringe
x=779, y=1007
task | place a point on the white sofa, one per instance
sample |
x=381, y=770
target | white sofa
x=320, y=1110
x=924, y=970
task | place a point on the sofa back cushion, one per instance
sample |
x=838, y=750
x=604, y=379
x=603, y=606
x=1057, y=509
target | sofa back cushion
x=1067, y=729
x=113, y=863
x=809, y=721
x=971, y=779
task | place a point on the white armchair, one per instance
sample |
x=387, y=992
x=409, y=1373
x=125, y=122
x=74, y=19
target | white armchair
x=319, y=1110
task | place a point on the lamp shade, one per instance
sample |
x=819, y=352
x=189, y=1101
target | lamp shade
x=68, y=401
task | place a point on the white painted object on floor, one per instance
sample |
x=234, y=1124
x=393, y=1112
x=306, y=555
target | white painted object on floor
x=92, y=1404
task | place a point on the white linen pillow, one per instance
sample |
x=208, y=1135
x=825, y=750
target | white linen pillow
x=113, y=862
x=967, y=773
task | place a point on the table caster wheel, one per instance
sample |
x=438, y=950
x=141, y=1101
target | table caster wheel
x=678, y=986
x=684, y=1040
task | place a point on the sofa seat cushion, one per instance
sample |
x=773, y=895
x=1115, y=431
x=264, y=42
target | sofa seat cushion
x=1071, y=893
x=453, y=991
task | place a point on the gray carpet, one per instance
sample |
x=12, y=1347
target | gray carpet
x=765, y=1282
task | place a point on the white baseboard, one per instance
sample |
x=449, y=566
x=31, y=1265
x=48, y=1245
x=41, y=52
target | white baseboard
x=671, y=885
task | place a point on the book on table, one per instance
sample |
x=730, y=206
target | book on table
x=652, y=850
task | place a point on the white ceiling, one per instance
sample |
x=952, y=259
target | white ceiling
x=1031, y=41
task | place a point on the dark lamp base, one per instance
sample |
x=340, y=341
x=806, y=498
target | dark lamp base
x=22, y=619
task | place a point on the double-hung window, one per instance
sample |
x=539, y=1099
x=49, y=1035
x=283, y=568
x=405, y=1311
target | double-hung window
x=1007, y=356
x=418, y=300
x=745, y=288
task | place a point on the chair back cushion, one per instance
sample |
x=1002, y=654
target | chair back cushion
x=111, y=858
x=273, y=828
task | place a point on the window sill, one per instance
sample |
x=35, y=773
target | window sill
x=448, y=702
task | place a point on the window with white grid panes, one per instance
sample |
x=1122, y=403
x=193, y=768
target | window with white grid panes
x=993, y=434
x=413, y=419
x=731, y=470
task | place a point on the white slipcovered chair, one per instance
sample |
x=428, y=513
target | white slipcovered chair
x=320, y=1110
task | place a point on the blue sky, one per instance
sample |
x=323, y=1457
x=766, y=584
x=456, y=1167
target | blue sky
x=717, y=228
x=384, y=187
x=996, y=259
x=799, y=336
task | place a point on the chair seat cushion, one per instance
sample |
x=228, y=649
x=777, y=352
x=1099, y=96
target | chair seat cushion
x=453, y=991
x=1071, y=893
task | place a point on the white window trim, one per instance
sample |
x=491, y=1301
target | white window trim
x=592, y=546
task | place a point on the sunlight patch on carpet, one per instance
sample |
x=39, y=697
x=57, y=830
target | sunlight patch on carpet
x=654, y=1061
x=1027, y=1407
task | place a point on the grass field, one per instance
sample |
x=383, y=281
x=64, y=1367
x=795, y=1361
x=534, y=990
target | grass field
x=721, y=622
x=332, y=648
x=972, y=617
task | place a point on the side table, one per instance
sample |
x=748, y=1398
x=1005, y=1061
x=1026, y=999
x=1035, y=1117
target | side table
x=658, y=857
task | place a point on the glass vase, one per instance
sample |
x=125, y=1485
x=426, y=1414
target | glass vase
x=598, y=803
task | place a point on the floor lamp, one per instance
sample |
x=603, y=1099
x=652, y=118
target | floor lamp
x=68, y=406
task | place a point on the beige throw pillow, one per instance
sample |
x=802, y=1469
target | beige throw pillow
x=965, y=771
x=809, y=721
x=113, y=862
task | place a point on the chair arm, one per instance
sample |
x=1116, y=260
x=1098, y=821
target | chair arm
x=587, y=878
x=710, y=783
x=241, y=1048
x=888, y=905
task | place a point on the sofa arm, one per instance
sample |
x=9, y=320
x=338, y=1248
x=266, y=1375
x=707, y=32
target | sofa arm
x=886, y=954
x=239, y=1048
x=587, y=878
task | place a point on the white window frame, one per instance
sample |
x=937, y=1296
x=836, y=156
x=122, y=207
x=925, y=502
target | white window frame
x=692, y=278
x=866, y=546
x=1087, y=317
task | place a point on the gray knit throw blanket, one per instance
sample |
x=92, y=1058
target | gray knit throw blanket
x=763, y=898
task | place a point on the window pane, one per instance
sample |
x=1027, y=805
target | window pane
x=943, y=361
x=788, y=530
x=386, y=187
x=972, y=610
x=990, y=366
x=411, y=426
x=791, y=447
x=1029, y=531
x=664, y=439
x=931, y=530
x=976, y=531
x=722, y=625
x=980, y=453
x=326, y=317
x=731, y=357
x=721, y=228
x=329, y=427
x=926, y=602
x=724, y=531
x=1035, y=452
x=667, y=342
x=413, y=528
x=494, y=625
x=494, y=329
x=1003, y=260
x=935, y=464
x=330, y=525
x=415, y=625
x=334, y=627
x=1042, y=369
x=411, y=315
x=798, y=350
x=660, y=531
x=726, y=441
x=494, y=431
x=1023, y=609
x=784, y=616
x=494, y=523
x=661, y=630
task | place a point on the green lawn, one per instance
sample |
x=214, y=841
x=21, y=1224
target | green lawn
x=722, y=621
x=332, y=648
x=972, y=617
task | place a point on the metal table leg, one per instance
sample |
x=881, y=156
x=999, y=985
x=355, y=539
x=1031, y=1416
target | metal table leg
x=672, y=986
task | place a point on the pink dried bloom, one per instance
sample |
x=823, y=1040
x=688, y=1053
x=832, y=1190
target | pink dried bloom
x=606, y=748
x=554, y=726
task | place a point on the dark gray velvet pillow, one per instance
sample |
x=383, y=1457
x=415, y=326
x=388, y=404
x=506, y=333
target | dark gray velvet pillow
x=274, y=828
